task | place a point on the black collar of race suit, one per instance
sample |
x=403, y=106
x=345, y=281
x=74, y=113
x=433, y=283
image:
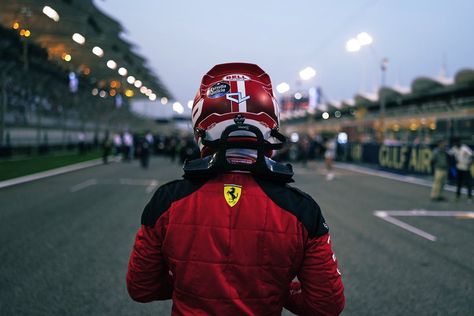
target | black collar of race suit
x=264, y=167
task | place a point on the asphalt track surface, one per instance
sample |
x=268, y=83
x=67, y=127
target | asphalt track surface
x=66, y=240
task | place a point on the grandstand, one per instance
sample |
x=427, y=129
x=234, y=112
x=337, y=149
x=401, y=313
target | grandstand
x=395, y=128
x=429, y=109
x=64, y=70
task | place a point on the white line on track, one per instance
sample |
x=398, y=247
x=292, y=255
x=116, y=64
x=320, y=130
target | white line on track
x=149, y=184
x=389, y=217
x=83, y=185
x=50, y=173
x=393, y=176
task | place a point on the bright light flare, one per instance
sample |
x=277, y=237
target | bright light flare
x=66, y=57
x=130, y=79
x=164, y=100
x=298, y=96
x=190, y=104
x=137, y=83
x=352, y=45
x=178, y=108
x=364, y=38
x=152, y=97
x=98, y=51
x=51, y=13
x=122, y=71
x=325, y=115
x=143, y=89
x=283, y=87
x=111, y=64
x=307, y=73
x=78, y=38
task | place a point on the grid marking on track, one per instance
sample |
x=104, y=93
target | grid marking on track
x=389, y=216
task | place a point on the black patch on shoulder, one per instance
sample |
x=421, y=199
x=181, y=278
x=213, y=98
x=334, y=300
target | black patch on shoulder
x=297, y=202
x=164, y=196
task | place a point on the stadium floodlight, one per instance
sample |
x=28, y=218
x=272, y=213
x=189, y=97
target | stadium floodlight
x=364, y=38
x=283, y=87
x=164, y=100
x=137, y=83
x=78, y=38
x=307, y=73
x=190, y=104
x=98, y=51
x=352, y=45
x=178, y=108
x=122, y=71
x=143, y=89
x=152, y=97
x=130, y=79
x=325, y=115
x=111, y=64
x=51, y=13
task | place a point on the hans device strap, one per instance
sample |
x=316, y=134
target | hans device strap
x=264, y=167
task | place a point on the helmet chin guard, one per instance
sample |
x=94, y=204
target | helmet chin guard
x=264, y=167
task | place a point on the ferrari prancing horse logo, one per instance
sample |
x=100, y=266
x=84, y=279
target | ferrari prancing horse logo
x=232, y=193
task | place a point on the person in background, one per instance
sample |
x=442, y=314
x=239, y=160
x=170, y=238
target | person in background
x=440, y=166
x=463, y=155
x=128, y=144
x=151, y=141
x=106, y=147
x=329, y=156
x=81, y=137
x=117, y=144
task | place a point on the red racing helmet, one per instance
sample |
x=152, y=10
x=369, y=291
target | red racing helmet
x=230, y=91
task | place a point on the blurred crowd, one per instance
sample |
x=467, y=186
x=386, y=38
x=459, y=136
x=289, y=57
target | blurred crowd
x=143, y=145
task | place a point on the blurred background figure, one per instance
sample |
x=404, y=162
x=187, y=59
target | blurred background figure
x=440, y=165
x=127, y=146
x=117, y=144
x=329, y=155
x=106, y=147
x=81, y=144
x=305, y=147
x=463, y=156
x=150, y=139
x=144, y=149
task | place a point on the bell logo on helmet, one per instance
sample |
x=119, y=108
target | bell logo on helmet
x=239, y=99
x=232, y=193
x=236, y=77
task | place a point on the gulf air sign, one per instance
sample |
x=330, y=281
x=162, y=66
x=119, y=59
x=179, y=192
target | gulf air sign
x=236, y=77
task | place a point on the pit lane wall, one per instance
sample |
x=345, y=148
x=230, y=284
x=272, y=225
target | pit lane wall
x=403, y=159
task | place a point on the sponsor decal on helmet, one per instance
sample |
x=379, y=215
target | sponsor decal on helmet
x=237, y=97
x=236, y=77
x=218, y=90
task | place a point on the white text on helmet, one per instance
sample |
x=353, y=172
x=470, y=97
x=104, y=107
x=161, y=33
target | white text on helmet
x=236, y=77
